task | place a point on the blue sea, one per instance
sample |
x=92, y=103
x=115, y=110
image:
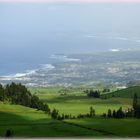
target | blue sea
x=31, y=33
x=22, y=59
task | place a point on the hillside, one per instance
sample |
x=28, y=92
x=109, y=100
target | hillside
x=27, y=122
x=124, y=93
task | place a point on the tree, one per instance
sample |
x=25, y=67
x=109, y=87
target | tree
x=129, y=112
x=54, y=114
x=95, y=94
x=104, y=115
x=9, y=133
x=46, y=108
x=135, y=101
x=106, y=90
x=136, y=107
x=59, y=118
x=138, y=111
x=120, y=113
x=19, y=94
x=1, y=93
x=109, y=113
x=114, y=114
x=34, y=102
x=92, y=112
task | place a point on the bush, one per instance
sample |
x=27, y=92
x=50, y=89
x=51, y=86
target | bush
x=9, y=133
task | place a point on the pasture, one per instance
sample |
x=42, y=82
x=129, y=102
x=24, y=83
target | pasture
x=114, y=127
x=124, y=93
x=77, y=102
x=28, y=122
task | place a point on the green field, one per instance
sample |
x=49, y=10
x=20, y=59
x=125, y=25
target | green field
x=80, y=104
x=27, y=122
x=75, y=103
x=114, y=127
x=125, y=93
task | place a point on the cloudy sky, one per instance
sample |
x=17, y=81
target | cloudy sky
x=29, y=32
x=70, y=1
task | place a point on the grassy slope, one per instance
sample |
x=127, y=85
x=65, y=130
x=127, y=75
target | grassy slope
x=75, y=103
x=118, y=127
x=125, y=93
x=77, y=106
x=27, y=122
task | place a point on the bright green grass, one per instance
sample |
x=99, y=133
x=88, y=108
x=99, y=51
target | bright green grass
x=80, y=103
x=119, y=127
x=27, y=122
x=40, y=90
x=24, y=112
x=76, y=107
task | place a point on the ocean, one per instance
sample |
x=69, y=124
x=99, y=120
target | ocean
x=23, y=59
x=31, y=33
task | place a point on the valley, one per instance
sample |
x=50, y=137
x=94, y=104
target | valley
x=28, y=122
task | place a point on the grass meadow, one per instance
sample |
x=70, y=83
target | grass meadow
x=77, y=102
x=27, y=122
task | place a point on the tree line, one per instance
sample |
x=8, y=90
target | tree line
x=19, y=94
x=120, y=113
x=130, y=112
x=93, y=93
x=55, y=115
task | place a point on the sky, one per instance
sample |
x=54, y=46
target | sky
x=70, y=1
x=29, y=32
